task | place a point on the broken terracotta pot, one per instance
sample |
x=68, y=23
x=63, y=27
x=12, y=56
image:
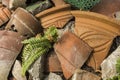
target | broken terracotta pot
x=13, y=4
x=24, y=23
x=5, y=15
x=72, y=53
x=98, y=31
x=84, y=75
x=52, y=63
x=10, y=47
x=57, y=16
x=107, y=7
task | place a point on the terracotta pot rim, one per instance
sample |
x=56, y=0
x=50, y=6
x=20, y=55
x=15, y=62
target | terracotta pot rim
x=98, y=17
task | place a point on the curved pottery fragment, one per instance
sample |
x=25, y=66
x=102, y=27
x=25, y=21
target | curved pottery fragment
x=5, y=15
x=10, y=47
x=56, y=16
x=98, y=31
x=24, y=23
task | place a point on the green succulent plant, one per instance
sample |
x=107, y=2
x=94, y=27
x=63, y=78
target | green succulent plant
x=37, y=46
x=83, y=4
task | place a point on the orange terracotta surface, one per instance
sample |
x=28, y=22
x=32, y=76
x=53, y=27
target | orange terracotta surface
x=107, y=7
x=57, y=16
x=5, y=15
x=98, y=31
x=72, y=53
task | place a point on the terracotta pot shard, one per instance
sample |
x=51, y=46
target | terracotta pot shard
x=98, y=31
x=14, y=4
x=52, y=63
x=5, y=15
x=10, y=47
x=107, y=7
x=24, y=23
x=72, y=53
x=57, y=16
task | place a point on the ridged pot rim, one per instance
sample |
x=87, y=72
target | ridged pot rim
x=98, y=17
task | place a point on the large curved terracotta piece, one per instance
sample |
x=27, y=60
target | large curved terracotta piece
x=98, y=31
x=57, y=16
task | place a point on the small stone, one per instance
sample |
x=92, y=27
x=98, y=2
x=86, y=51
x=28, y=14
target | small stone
x=36, y=70
x=109, y=65
x=39, y=6
x=17, y=69
x=84, y=75
x=53, y=76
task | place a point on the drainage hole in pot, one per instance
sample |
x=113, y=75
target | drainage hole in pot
x=13, y=28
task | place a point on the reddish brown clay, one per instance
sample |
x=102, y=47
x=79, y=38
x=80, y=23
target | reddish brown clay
x=53, y=64
x=24, y=23
x=59, y=2
x=57, y=16
x=10, y=47
x=72, y=53
x=107, y=7
x=98, y=31
x=84, y=75
x=5, y=15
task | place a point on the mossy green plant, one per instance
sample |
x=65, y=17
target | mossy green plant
x=83, y=4
x=37, y=46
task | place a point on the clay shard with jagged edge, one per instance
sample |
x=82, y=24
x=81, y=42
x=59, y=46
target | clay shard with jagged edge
x=24, y=23
x=14, y=4
x=10, y=47
x=52, y=63
x=107, y=7
x=84, y=75
x=72, y=53
x=5, y=15
x=98, y=31
x=56, y=16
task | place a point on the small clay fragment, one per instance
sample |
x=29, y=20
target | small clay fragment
x=57, y=16
x=5, y=15
x=72, y=53
x=107, y=7
x=24, y=23
x=10, y=47
x=52, y=63
x=14, y=4
x=98, y=31
x=84, y=75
